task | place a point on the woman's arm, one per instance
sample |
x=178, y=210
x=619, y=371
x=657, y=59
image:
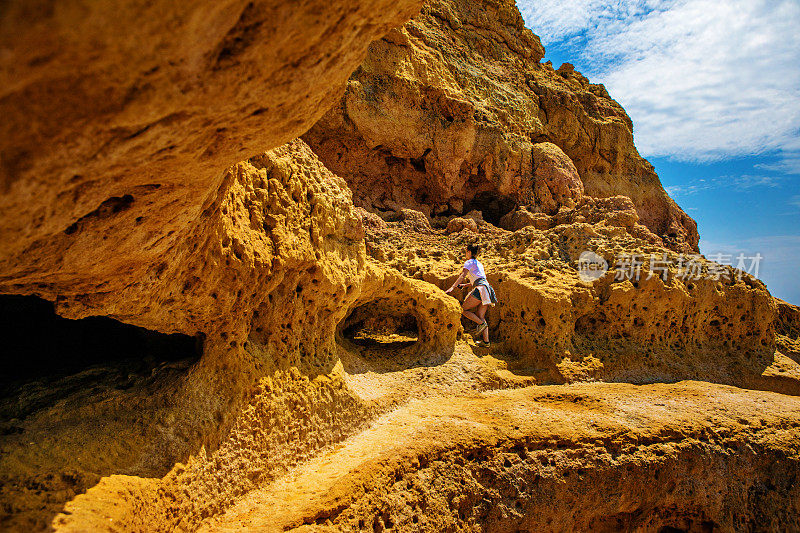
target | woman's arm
x=458, y=281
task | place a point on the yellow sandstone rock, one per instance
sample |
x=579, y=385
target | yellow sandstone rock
x=338, y=387
x=455, y=105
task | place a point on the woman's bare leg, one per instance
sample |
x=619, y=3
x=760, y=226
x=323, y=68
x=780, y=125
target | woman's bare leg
x=469, y=303
x=481, y=313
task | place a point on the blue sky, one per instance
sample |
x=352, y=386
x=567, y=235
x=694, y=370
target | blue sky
x=713, y=88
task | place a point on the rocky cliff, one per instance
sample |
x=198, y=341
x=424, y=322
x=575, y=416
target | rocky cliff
x=336, y=386
x=454, y=112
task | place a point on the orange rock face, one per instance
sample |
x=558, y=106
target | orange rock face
x=445, y=112
x=339, y=388
x=555, y=179
x=119, y=119
x=488, y=461
x=266, y=273
x=635, y=323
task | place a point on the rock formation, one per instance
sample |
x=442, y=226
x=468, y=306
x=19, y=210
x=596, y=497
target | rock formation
x=338, y=387
x=119, y=119
x=556, y=182
x=451, y=112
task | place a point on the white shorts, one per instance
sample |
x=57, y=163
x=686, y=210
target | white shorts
x=484, y=292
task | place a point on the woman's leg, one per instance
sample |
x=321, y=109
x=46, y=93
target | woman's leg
x=469, y=303
x=481, y=313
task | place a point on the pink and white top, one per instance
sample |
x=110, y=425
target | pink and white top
x=474, y=270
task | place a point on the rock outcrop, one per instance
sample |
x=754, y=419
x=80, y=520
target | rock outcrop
x=604, y=457
x=532, y=459
x=556, y=182
x=449, y=113
x=265, y=272
x=652, y=324
x=338, y=387
x=120, y=118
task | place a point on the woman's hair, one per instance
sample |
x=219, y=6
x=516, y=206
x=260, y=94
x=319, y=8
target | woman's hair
x=474, y=249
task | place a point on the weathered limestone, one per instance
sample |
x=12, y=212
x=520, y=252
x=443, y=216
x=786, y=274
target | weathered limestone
x=338, y=388
x=454, y=111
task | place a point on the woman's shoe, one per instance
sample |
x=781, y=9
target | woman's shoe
x=483, y=344
x=481, y=327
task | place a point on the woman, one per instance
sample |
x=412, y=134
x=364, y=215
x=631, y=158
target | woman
x=482, y=296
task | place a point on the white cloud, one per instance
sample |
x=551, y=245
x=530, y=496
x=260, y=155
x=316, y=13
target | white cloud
x=740, y=182
x=777, y=266
x=778, y=248
x=790, y=164
x=555, y=20
x=701, y=79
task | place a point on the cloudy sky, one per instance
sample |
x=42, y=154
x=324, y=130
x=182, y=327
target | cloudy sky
x=713, y=88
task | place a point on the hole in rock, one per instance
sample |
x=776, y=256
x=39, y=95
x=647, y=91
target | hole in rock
x=38, y=344
x=419, y=162
x=381, y=324
x=109, y=207
x=492, y=205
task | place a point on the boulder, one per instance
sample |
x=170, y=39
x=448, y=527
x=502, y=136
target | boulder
x=556, y=182
x=459, y=224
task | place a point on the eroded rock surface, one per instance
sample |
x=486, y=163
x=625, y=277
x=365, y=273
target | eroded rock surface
x=531, y=459
x=266, y=273
x=645, y=458
x=450, y=113
x=338, y=387
x=120, y=118
x=654, y=324
x=556, y=182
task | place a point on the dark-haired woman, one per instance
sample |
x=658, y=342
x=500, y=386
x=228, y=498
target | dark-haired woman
x=481, y=297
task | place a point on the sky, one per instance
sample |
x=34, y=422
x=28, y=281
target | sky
x=713, y=89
